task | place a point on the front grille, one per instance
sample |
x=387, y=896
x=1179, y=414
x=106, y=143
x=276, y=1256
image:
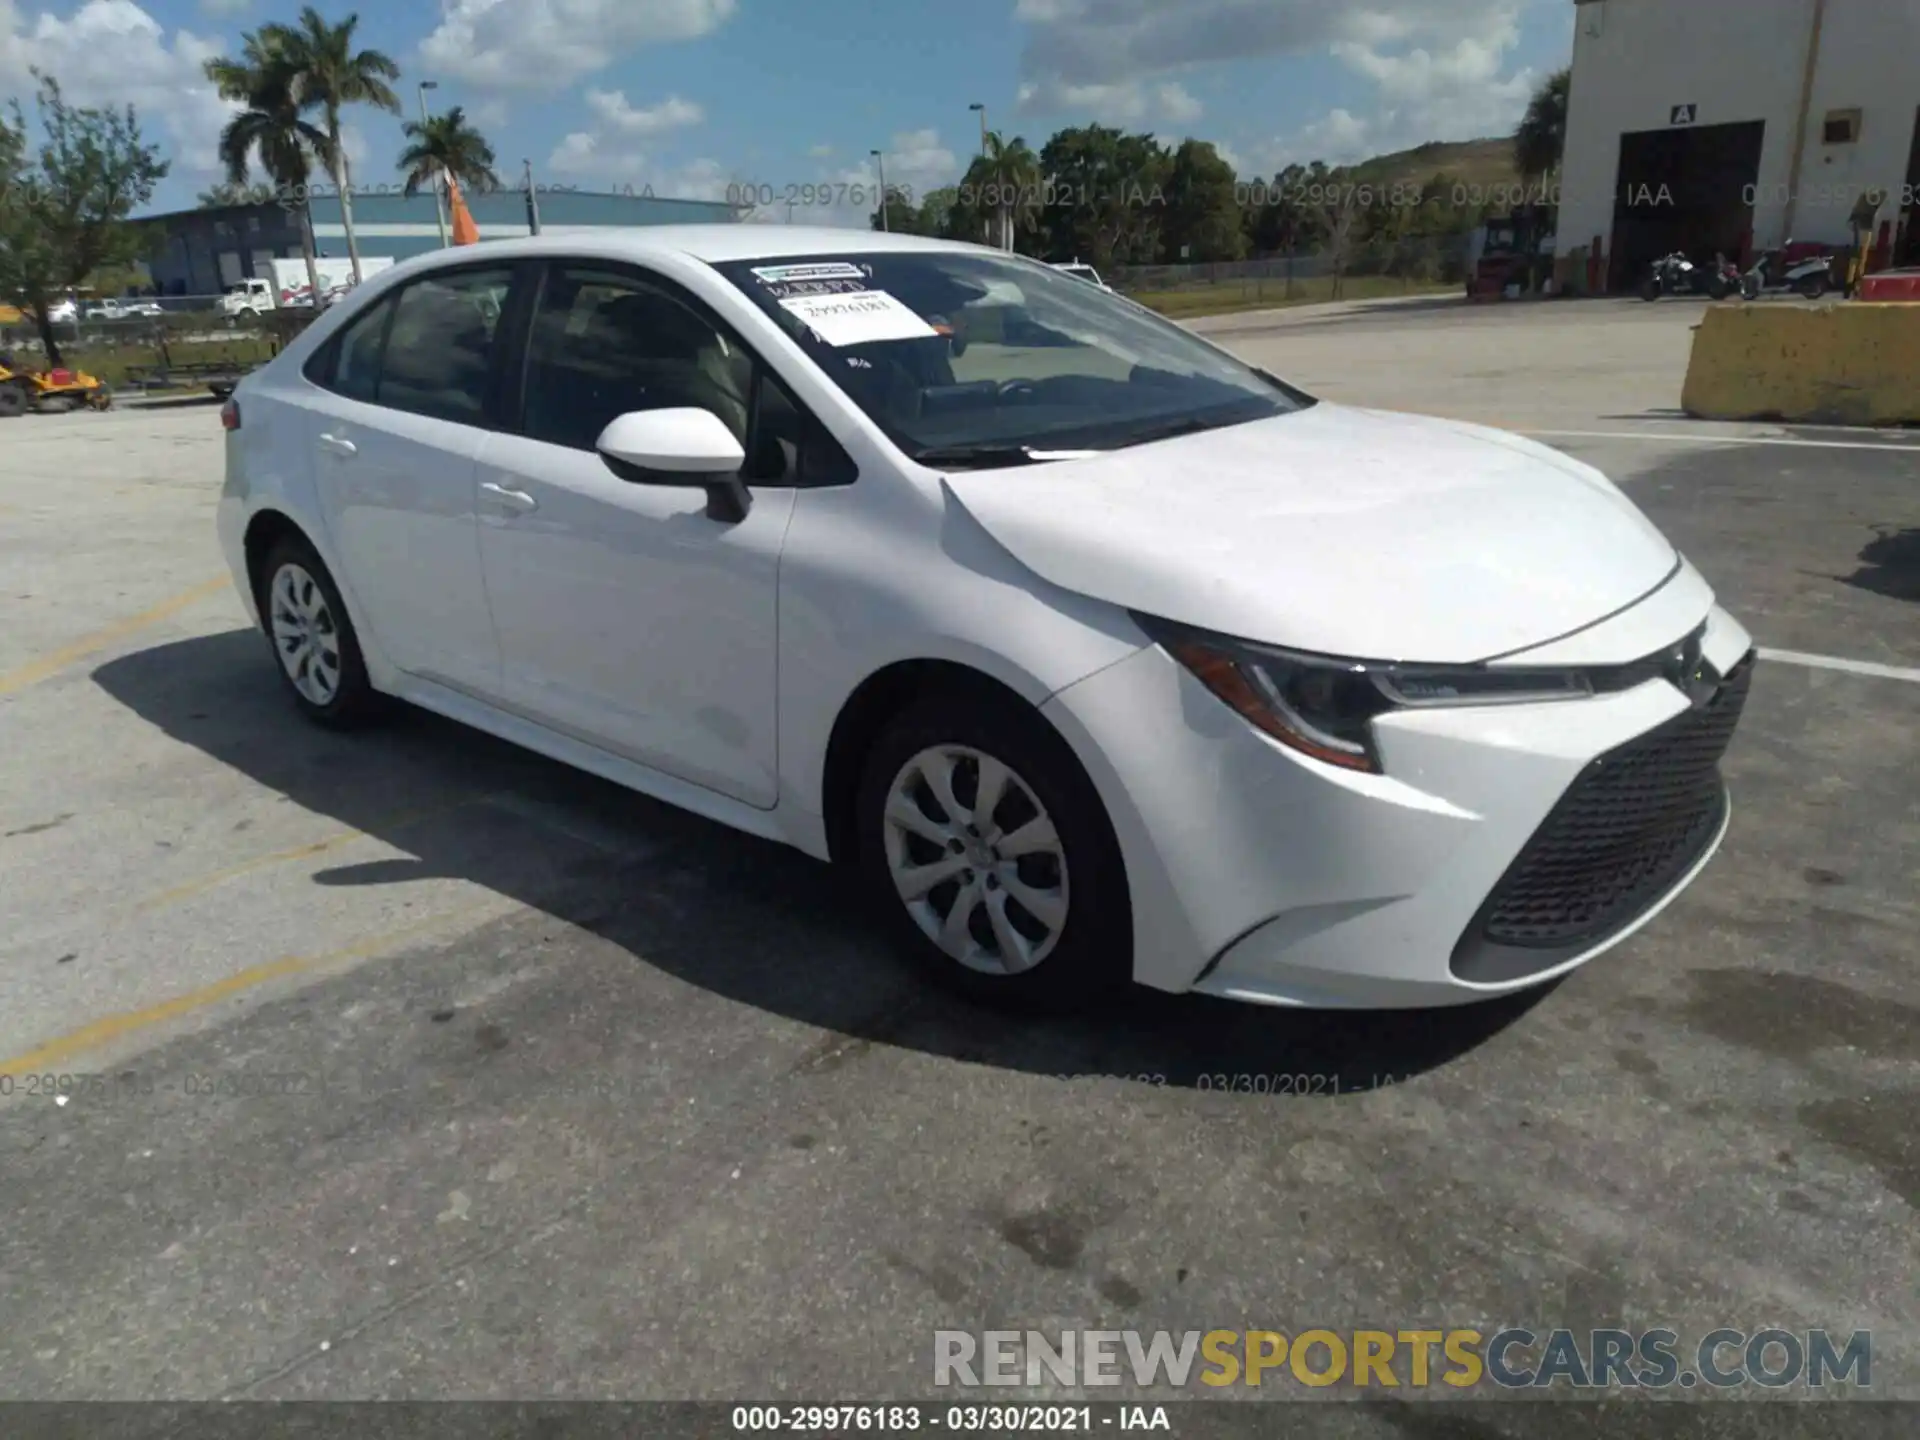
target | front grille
x=1632, y=824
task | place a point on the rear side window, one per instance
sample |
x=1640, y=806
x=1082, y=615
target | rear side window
x=439, y=349
x=350, y=363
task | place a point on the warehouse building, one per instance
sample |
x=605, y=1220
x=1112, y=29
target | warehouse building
x=1735, y=128
x=202, y=252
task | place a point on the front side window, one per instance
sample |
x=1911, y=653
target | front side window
x=605, y=343
x=973, y=358
x=439, y=347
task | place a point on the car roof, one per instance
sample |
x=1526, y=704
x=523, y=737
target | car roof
x=715, y=244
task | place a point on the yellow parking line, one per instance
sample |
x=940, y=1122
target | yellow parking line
x=300, y=852
x=47, y=665
x=117, y=1027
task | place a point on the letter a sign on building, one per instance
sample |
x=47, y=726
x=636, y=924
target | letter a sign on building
x=1682, y=115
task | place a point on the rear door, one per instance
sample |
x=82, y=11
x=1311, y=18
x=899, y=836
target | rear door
x=405, y=402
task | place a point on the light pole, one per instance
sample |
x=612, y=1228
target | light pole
x=439, y=209
x=982, y=110
x=881, y=161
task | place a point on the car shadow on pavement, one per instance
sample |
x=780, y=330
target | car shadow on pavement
x=747, y=919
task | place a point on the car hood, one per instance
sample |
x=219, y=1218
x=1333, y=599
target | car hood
x=1342, y=531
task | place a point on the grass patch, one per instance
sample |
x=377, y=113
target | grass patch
x=1227, y=296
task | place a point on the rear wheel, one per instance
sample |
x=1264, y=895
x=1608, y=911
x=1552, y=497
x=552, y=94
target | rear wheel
x=312, y=638
x=989, y=852
x=1813, y=286
x=13, y=401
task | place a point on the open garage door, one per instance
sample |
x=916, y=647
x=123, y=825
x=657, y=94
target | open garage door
x=1689, y=188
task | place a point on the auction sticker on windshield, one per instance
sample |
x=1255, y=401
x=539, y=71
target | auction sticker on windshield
x=820, y=270
x=859, y=319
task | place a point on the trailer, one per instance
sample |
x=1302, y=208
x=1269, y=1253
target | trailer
x=217, y=365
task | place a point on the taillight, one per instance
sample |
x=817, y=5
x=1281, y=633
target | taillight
x=230, y=415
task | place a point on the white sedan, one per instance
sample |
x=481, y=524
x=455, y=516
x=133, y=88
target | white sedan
x=1096, y=653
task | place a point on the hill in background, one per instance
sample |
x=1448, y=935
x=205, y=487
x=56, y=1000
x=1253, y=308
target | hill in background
x=1483, y=163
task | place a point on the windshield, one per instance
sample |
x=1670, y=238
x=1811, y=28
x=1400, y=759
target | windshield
x=971, y=357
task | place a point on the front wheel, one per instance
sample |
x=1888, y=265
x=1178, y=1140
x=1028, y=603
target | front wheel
x=989, y=852
x=1650, y=288
x=312, y=638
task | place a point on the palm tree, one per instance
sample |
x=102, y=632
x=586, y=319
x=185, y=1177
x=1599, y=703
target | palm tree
x=270, y=130
x=447, y=145
x=1007, y=175
x=1542, y=133
x=327, y=74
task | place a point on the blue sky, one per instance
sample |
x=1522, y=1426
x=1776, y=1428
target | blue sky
x=691, y=96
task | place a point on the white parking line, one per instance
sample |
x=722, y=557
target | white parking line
x=1665, y=435
x=1835, y=662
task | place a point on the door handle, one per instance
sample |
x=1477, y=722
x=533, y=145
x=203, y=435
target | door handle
x=338, y=445
x=512, y=499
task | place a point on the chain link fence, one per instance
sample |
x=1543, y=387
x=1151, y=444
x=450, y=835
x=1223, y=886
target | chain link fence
x=1323, y=273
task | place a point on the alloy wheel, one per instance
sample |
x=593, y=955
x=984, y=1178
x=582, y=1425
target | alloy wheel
x=305, y=634
x=976, y=859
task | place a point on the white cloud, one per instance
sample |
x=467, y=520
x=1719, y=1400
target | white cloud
x=1177, y=105
x=1123, y=102
x=112, y=53
x=610, y=150
x=915, y=162
x=616, y=116
x=1452, y=92
x=224, y=7
x=820, y=152
x=547, y=45
x=1102, y=59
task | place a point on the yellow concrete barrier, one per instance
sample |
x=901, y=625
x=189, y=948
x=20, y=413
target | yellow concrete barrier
x=1843, y=364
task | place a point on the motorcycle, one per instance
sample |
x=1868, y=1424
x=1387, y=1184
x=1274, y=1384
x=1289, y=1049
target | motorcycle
x=1806, y=275
x=1669, y=275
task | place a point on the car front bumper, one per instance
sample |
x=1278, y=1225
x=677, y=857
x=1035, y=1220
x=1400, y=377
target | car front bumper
x=1259, y=874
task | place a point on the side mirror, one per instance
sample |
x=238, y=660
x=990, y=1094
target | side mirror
x=681, y=446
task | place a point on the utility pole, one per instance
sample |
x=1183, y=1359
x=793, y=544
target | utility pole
x=1812, y=65
x=439, y=207
x=881, y=161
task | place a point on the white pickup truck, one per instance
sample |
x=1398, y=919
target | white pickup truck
x=115, y=309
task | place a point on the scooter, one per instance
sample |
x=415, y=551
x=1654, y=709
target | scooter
x=1806, y=275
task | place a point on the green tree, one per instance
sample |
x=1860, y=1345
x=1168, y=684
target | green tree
x=936, y=210
x=63, y=211
x=1541, y=137
x=1202, y=218
x=447, y=144
x=1105, y=196
x=902, y=215
x=271, y=131
x=1005, y=180
x=231, y=192
x=327, y=74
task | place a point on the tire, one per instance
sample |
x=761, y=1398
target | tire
x=1077, y=961
x=220, y=392
x=13, y=401
x=300, y=609
x=1812, y=287
x=1749, y=288
x=1650, y=289
x=100, y=399
x=1718, y=288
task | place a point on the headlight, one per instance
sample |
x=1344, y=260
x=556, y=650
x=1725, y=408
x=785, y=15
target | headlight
x=1325, y=707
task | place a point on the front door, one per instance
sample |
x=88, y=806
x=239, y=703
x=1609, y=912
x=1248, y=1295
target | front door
x=626, y=616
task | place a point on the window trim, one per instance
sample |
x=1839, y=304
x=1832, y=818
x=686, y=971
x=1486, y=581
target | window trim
x=492, y=415
x=514, y=382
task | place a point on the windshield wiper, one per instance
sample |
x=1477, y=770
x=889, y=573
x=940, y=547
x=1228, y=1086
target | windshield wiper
x=1187, y=425
x=988, y=457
